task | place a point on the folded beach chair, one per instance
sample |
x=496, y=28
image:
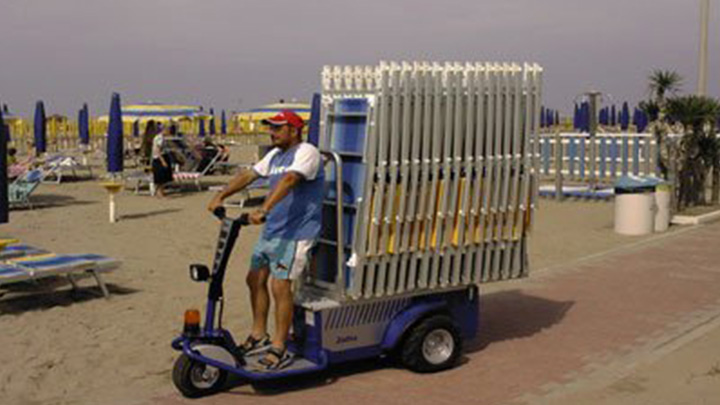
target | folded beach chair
x=195, y=176
x=33, y=268
x=19, y=191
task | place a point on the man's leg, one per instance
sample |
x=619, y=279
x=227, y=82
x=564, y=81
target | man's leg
x=282, y=292
x=259, y=299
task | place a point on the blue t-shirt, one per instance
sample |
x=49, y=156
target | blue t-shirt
x=298, y=216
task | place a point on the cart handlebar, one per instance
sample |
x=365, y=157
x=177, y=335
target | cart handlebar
x=221, y=214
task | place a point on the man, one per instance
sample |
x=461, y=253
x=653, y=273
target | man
x=292, y=212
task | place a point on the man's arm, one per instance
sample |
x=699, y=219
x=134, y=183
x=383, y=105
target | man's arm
x=281, y=190
x=239, y=182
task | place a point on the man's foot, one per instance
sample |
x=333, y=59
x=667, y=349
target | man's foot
x=275, y=359
x=253, y=346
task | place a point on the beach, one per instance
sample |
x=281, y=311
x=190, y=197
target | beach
x=66, y=348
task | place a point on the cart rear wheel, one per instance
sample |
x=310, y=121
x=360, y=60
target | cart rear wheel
x=195, y=379
x=432, y=345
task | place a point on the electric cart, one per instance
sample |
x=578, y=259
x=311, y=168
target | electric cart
x=431, y=188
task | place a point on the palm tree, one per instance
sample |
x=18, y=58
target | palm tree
x=698, y=150
x=660, y=84
x=663, y=82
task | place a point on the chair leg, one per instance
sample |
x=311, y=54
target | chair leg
x=100, y=283
x=73, y=282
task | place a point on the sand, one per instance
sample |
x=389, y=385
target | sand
x=60, y=348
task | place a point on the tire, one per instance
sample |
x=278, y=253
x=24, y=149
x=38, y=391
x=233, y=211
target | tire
x=432, y=345
x=195, y=379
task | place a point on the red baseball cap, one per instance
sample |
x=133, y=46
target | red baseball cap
x=285, y=117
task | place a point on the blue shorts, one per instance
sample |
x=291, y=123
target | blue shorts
x=285, y=258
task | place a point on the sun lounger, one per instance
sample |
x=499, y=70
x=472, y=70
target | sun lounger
x=12, y=274
x=20, y=190
x=181, y=177
x=56, y=165
x=33, y=268
x=19, y=250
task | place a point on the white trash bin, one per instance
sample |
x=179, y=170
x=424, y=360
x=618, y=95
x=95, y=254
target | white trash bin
x=634, y=206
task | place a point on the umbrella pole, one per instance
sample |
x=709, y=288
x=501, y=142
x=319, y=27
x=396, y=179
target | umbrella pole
x=112, y=208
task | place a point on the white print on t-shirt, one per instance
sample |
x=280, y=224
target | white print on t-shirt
x=306, y=161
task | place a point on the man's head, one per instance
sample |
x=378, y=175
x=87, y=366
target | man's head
x=285, y=129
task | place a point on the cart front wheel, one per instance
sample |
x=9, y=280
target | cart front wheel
x=432, y=345
x=195, y=379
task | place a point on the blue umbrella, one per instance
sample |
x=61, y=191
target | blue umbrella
x=4, y=135
x=115, y=137
x=39, y=129
x=613, y=116
x=543, y=117
x=201, y=129
x=136, y=128
x=5, y=127
x=84, y=125
x=212, y=122
x=625, y=117
x=557, y=117
x=223, y=123
x=314, y=124
x=643, y=121
x=576, y=117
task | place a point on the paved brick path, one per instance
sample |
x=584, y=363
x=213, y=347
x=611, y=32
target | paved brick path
x=543, y=333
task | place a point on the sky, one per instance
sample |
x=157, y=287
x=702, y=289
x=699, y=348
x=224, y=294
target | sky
x=239, y=54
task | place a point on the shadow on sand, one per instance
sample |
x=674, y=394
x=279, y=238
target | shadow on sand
x=149, y=214
x=504, y=316
x=43, y=201
x=45, y=294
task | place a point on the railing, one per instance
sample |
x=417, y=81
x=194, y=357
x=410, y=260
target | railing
x=604, y=157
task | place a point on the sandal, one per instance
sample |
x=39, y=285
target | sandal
x=253, y=346
x=275, y=359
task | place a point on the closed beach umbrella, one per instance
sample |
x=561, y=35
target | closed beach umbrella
x=115, y=137
x=5, y=113
x=636, y=118
x=211, y=125
x=136, y=129
x=543, y=118
x=625, y=117
x=201, y=129
x=576, y=117
x=643, y=121
x=3, y=171
x=39, y=128
x=223, y=123
x=84, y=125
x=585, y=117
x=314, y=121
x=613, y=115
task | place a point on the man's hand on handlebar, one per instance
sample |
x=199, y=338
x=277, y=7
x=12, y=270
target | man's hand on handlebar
x=257, y=217
x=216, y=202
